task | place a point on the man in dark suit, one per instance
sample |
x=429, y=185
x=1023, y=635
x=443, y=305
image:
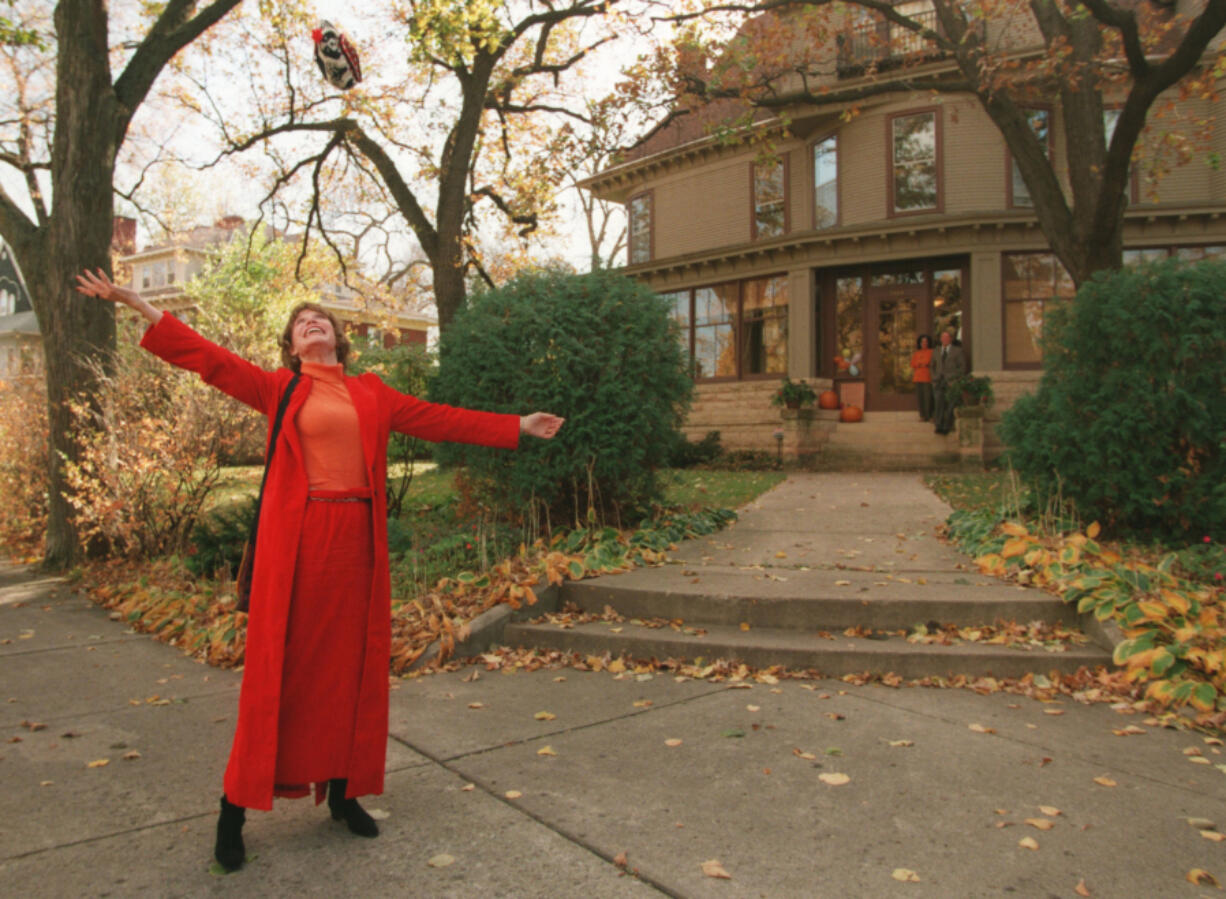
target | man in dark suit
x=948, y=365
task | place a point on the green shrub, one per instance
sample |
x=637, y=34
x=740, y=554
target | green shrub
x=218, y=539
x=684, y=453
x=600, y=350
x=1129, y=419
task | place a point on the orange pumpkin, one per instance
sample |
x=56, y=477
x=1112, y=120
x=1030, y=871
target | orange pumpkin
x=828, y=400
x=851, y=413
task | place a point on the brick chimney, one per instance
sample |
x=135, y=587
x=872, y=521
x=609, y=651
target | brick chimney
x=123, y=235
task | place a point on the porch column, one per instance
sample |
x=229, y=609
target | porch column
x=802, y=327
x=985, y=312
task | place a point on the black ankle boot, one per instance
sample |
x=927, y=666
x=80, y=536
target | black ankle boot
x=348, y=810
x=229, y=850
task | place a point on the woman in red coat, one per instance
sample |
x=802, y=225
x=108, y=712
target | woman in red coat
x=313, y=704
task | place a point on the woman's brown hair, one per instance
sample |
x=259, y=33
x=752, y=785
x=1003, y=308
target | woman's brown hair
x=288, y=359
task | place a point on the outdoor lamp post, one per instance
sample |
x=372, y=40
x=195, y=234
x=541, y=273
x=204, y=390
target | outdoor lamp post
x=779, y=444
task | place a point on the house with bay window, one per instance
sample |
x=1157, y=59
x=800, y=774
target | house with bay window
x=826, y=258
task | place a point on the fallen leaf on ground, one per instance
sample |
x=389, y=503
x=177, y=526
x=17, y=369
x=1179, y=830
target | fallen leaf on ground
x=544, y=716
x=46, y=783
x=980, y=729
x=1199, y=760
x=380, y=814
x=1202, y=878
x=1028, y=843
x=1053, y=711
x=807, y=756
x=643, y=704
x=131, y=756
x=1040, y=823
x=1213, y=835
x=835, y=779
x=906, y=875
x=672, y=742
x=620, y=859
x=835, y=716
x=468, y=788
x=513, y=794
x=442, y=860
x=842, y=583
x=98, y=763
x=1202, y=824
x=1105, y=781
x=1050, y=810
x=753, y=708
x=744, y=625
x=476, y=705
x=1192, y=750
x=900, y=743
x=712, y=868
x=617, y=666
x=1081, y=889
x=1130, y=731
x=546, y=750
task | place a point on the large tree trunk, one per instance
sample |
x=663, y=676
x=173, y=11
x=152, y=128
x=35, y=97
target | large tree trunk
x=74, y=328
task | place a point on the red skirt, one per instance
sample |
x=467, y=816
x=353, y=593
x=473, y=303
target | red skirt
x=325, y=642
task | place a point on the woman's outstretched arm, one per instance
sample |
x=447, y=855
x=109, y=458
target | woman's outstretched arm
x=437, y=422
x=172, y=340
x=97, y=284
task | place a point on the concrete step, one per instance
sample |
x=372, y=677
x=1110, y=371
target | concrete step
x=826, y=599
x=803, y=650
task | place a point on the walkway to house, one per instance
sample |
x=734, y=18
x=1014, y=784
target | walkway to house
x=798, y=789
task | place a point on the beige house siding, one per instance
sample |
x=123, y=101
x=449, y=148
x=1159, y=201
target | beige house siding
x=701, y=209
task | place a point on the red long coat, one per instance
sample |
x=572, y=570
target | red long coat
x=250, y=773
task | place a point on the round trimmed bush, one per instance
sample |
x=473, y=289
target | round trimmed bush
x=602, y=351
x=1129, y=420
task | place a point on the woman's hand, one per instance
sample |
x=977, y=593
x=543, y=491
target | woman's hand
x=97, y=284
x=540, y=424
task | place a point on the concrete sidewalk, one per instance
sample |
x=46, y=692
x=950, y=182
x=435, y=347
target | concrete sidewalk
x=743, y=786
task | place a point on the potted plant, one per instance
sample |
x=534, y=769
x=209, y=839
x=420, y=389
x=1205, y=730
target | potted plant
x=793, y=394
x=973, y=391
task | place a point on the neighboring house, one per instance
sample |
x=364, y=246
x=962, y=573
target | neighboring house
x=160, y=274
x=20, y=340
x=867, y=230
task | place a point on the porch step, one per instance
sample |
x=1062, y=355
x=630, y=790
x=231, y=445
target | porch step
x=819, y=599
x=795, y=618
x=803, y=650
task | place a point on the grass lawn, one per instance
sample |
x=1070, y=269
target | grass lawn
x=976, y=490
x=724, y=489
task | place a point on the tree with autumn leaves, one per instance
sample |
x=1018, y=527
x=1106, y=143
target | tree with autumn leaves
x=66, y=110
x=474, y=134
x=1117, y=73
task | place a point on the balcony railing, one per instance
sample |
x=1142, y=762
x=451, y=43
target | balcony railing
x=884, y=45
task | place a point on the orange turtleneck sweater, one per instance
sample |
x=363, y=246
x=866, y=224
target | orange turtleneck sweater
x=328, y=427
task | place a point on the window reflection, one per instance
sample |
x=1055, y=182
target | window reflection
x=849, y=326
x=915, y=161
x=826, y=183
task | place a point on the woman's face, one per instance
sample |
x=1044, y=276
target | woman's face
x=924, y=344
x=312, y=334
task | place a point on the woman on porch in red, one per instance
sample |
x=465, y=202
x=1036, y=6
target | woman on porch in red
x=313, y=705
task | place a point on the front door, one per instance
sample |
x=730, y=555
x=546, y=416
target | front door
x=874, y=316
x=898, y=312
